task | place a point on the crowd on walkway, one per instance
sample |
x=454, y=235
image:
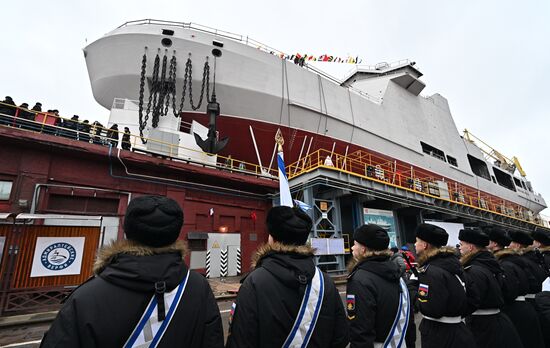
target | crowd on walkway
x=49, y=122
x=486, y=292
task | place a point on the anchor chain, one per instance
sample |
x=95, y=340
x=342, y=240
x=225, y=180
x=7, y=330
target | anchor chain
x=154, y=83
x=163, y=89
x=171, y=84
x=142, y=123
x=205, y=79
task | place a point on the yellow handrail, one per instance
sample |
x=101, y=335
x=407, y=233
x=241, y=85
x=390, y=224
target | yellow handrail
x=41, y=127
x=364, y=165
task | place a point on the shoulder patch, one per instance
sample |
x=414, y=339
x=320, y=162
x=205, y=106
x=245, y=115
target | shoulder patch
x=423, y=269
x=423, y=290
x=350, y=306
x=232, y=312
x=230, y=319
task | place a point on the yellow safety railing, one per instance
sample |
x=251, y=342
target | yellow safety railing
x=398, y=174
x=347, y=247
x=47, y=123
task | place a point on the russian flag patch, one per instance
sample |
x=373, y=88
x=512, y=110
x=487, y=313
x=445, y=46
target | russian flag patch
x=350, y=302
x=232, y=312
x=423, y=290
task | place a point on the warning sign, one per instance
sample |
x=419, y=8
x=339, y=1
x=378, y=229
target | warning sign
x=216, y=245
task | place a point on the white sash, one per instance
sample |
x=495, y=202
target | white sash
x=399, y=328
x=309, y=312
x=150, y=330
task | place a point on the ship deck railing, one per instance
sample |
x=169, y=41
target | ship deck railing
x=47, y=123
x=246, y=40
x=361, y=163
x=389, y=172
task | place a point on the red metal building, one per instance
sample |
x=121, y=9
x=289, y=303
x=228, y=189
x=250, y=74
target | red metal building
x=46, y=174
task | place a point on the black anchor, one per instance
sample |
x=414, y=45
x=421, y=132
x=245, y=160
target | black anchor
x=211, y=145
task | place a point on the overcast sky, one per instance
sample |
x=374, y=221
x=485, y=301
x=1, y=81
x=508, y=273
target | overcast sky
x=490, y=59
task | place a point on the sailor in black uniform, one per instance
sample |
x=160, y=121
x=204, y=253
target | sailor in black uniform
x=441, y=291
x=490, y=327
x=521, y=313
x=542, y=299
x=536, y=273
x=272, y=309
x=541, y=240
x=143, y=294
x=377, y=299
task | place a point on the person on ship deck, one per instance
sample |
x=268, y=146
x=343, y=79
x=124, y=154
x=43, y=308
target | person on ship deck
x=84, y=131
x=112, y=135
x=126, y=145
x=25, y=118
x=7, y=111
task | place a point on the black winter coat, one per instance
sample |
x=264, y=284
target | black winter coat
x=374, y=285
x=517, y=283
x=542, y=303
x=269, y=299
x=542, y=300
x=534, y=267
x=521, y=313
x=546, y=255
x=104, y=311
x=483, y=272
x=441, y=294
x=8, y=110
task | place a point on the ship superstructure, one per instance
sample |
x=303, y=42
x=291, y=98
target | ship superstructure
x=376, y=108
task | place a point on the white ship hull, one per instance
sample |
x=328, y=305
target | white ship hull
x=255, y=86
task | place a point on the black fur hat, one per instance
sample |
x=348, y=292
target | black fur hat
x=432, y=234
x=543, y=237
x=372, y=236
x=153, y=220
x=474, y=236
x=521, y=237
x=499, y=236
x=288, y=225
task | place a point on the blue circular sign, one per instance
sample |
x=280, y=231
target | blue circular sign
x=58, y=256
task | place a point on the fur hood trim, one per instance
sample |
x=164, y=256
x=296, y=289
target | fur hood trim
x=279, y=248
x=527, y=249
x=464, y=259
x=502, y=253
x=430, y=254
x=353, y=263
x=129, y=247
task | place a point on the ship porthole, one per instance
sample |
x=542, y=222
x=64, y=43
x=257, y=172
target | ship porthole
x=166, y=42
x=216, y=52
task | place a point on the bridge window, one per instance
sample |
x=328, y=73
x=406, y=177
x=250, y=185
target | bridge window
x=452, y=161
x=517, y=182
x=504, y=179
x=433, y=151
x=479, y=167
x=5, y=190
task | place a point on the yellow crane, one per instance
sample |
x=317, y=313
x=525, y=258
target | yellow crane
x=518, y=166
x=501, y=161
